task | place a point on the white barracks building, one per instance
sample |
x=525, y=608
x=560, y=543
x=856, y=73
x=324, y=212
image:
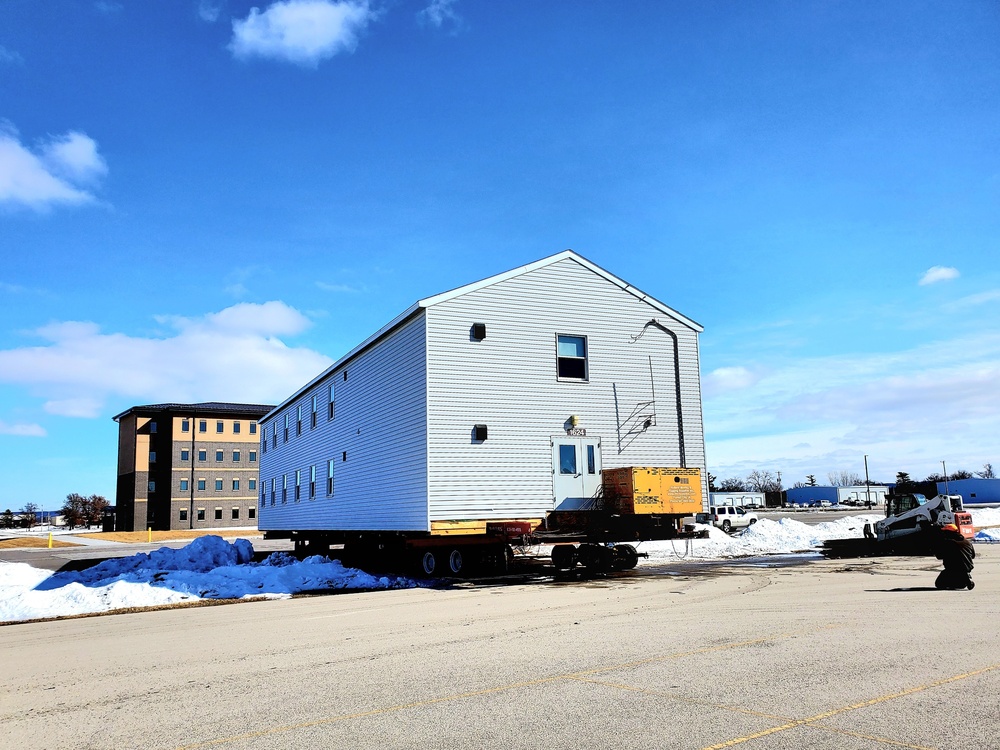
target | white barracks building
x=502, y=399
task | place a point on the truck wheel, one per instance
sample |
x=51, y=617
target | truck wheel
x=564, y=557
x=596, y=558
x=753, y=521
x=428, y=563
x=726, y=526
x=455, y=561
x=626, y=557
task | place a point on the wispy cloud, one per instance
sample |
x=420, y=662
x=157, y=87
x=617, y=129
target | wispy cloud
x=231, y=355
x=725, y=379
x=972, y=300
x=10, y=57
x=209, y=10
x=304, y=32
x=340, y=288
x=62, y=170
x=22, y=430
x=108, y=7
x=935, y=274
x=441, y=13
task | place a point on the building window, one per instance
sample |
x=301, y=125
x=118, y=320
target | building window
x=298, y=484
x=253, y=457
x=263, y=495
x=236, y=484
x=274, y=437
x=152, y=486
x=298, y=419
x=201, y=485
x=312, y=482
x=236, y=514
x=185, y=427
x=571, y=359
x=218, y=456
x=202, y=454
x=263, y=443
x=315, y=404
x=202, y=425
x=330, y=407
x=251, y=484
x=152, y=457
x=329, y=477
x=236, y=457
x=252, y=512
x=218, y=427
x=286, y=426
x=184, y=485
x=201, y=514
x=253, y=428
x=236, y=428
x=152, y=428
x=185, y=454
x=343, y=457
x=183, y=514
x=218, y=485
x=284, y=488
x=218, y=514
x=272, y=491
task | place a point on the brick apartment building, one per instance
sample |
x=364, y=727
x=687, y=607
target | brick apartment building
x=187, y=466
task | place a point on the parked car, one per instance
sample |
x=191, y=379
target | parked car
x=728, y=518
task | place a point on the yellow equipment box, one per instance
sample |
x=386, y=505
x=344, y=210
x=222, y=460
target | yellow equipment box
x=637, y=490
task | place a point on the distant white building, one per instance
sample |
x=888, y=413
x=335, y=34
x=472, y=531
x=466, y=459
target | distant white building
x=736, y=499
x=502, y=399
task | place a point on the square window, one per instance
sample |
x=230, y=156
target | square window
x=218, y=427
x=253, y=457
x=201, y=514
x=218, y=485
x=571, y=357
x=218, y=455
x=252, y=512
x=152, y=486
x=185, y=454
x=236, y=514
x=218, y=514
x=202, y=425
x=253, y=428
x=184, y=485
x=152, y=457
x=152, y=427
x=236, y=484
x=251, y=484
x=185, y=425
x=236, y=457
x=201, y=485
x=236, y=428
x=202, y=454
x=183, y=514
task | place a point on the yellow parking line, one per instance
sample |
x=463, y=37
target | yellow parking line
x=852, y=707
x=500, y=688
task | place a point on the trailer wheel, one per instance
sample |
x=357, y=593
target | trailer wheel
x=455, y=561
x=626, y=557
x=564, y=557
x=596, y=558
x=428, y=563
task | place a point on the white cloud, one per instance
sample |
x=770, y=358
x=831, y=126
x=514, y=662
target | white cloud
x=22, y=430
x=304, y=32
x=10, y=57
x=724, y=379
x=327, y=287
x=107, y=7
x=209, y=11
x=57, y=174
x=907, y=410
x=935, y=274
x=440, y=13
x=231, y=355
x=972, y=300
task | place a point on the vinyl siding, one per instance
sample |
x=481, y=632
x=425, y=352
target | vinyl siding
x=508, y=382
x=380, y=420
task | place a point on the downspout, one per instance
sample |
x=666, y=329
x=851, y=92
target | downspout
x=677, y=383
x=191, y=480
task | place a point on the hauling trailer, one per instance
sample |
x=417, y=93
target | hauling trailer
x=633, y=504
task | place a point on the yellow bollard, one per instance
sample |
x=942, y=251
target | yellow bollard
x=50, y=540
x=150, y=530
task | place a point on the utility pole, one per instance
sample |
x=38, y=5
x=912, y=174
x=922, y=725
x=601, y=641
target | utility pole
x=868, y=486
x=944, y=469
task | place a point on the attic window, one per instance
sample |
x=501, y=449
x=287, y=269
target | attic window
x=571, y=357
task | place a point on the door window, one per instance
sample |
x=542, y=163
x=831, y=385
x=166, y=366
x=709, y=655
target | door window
x=567, y=459
x=591, y=460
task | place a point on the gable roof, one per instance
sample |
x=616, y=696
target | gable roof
x=437, y=299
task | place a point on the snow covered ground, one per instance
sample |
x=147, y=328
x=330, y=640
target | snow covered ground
x=212, y=568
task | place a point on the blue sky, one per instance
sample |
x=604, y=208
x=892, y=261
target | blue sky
x=187, y=184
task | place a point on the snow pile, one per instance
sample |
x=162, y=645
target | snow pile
x=984, y=517
x=208, y=568
x=766, y=537
x=989, y=536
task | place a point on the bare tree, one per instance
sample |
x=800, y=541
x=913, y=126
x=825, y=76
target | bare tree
x=810, y=480
x=987, y=472
x=94, y=509
x=7, y=519
x=960, y=474
x=845, y=479
x=733, y=484
x=29, y=515
x=73, y=510
x=763, y=481
x=711, y=482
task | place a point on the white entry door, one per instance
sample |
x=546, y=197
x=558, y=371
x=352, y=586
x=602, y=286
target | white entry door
x=576, y=471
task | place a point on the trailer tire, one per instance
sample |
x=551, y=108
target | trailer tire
x=427, y=562
x=596, y=558
x=626, y=557
x=456, y=562
x=564, y=557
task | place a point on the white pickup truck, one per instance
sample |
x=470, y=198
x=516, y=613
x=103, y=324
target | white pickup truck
x=728, y=518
